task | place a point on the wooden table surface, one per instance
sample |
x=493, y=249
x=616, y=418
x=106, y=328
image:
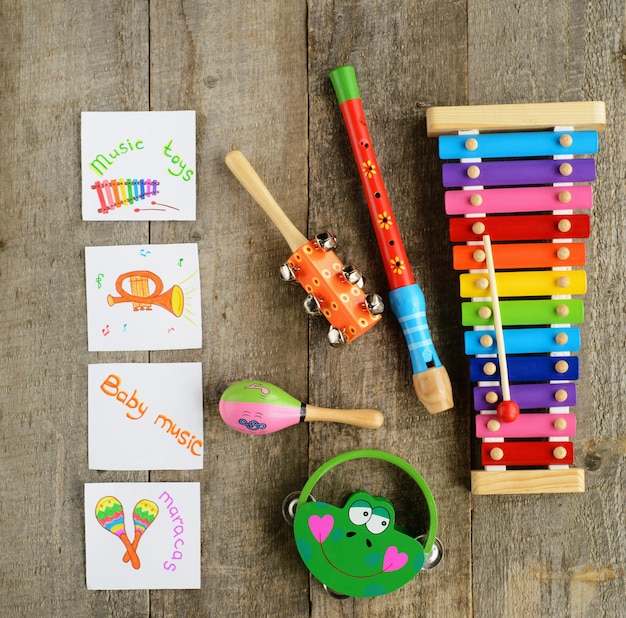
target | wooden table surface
x=257, y=75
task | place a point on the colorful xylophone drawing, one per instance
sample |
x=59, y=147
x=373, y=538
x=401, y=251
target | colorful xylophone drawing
x=115, y=193
x=521, y=172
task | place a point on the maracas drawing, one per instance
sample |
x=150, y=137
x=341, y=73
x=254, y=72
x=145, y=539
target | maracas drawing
x=144, y=514
x=110, y=515
x=255, y=407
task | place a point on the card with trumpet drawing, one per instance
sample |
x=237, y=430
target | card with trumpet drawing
x=143, y=297
x=138, y=166
x=142, y=536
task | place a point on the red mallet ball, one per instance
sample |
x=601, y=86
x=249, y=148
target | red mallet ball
x=507, y=411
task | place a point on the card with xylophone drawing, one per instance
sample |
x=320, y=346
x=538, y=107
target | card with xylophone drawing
x=138, y=166
x=520, y=175
x=143, y=297
x=145, y=416
x=142, y=536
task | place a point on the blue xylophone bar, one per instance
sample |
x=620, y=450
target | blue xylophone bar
x=523, y=341
x=525, y=368
x=519, y=145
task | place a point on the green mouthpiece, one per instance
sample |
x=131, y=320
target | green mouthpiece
x=344, y=83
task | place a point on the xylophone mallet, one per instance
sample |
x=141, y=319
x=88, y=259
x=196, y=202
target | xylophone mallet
x=507, y=409
x=430, y=378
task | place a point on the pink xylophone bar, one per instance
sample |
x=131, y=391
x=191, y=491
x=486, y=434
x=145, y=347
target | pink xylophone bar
x=116, y=193
x=510, y=176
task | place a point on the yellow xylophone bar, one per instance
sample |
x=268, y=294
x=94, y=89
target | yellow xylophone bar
x=581, y=115
x=525, y=283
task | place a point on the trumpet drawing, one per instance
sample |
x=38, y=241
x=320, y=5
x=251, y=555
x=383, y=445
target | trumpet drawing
x=143, y=297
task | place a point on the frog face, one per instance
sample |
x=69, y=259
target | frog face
x=356, y=550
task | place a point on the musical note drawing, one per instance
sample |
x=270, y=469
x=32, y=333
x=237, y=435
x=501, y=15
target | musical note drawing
x=180, y=262
x=125, y=325
x=144, y=253
x=106, y=330
x=99, y=279
x=264, y=390
x=252, y=425
x=169, y=330
x=109, y=513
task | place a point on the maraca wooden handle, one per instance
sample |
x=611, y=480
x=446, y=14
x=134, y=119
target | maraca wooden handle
x=252, y=183
x=370, y=419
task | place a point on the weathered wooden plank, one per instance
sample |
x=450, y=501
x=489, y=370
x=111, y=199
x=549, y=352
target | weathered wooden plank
x=558, y=554
x=406, y=58
x=57, y=62
x=243, y=68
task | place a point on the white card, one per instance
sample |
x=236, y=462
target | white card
x=138, y=166
x=143, y=297
x=145, y=416
x=142, y=535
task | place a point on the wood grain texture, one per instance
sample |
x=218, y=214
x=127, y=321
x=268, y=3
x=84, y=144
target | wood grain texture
x=57, y=63
x=257, y=76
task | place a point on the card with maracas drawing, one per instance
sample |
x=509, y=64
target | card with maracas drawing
x=142, y=535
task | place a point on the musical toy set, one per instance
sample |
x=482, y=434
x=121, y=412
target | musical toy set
x=374, y=556
x=517, y=176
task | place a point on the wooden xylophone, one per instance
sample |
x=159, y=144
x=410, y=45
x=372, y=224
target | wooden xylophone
x=519, y=173
x=115, y=193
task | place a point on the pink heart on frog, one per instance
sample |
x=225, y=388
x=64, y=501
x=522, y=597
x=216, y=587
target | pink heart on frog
x=394, y=560
x=321, y=526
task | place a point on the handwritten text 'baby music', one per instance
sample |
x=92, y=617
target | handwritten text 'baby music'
x=137, y=408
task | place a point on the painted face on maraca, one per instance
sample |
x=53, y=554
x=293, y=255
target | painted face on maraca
x=356, y=550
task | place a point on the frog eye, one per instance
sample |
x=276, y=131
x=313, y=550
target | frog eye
x=360, y=512
x=379, y=521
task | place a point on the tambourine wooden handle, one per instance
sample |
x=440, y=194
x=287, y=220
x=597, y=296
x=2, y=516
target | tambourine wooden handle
x=252, y=183
x=370, y=419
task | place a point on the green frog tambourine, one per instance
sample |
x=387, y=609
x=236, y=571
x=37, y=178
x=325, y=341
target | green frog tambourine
x=359, y=550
